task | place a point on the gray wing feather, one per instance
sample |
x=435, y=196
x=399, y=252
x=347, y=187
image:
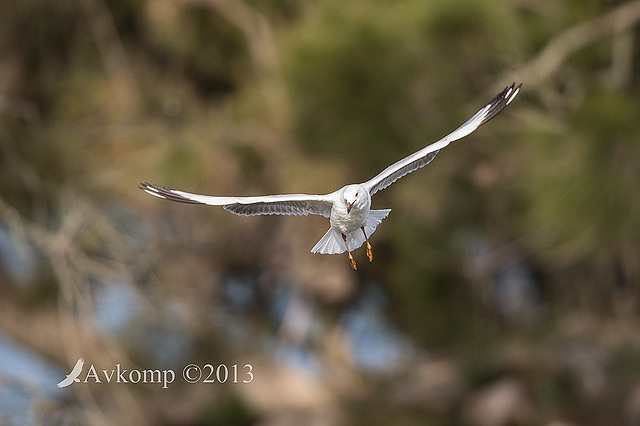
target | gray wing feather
x=424, y=156
x=284, y=204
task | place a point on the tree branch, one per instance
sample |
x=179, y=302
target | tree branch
x=619, y=21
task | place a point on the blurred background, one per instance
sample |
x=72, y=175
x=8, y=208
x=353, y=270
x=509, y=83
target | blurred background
x=506, y=280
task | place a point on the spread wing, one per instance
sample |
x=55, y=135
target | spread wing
x=289, y=204
x=65, y=382
x=422, y=157
x=77, y=369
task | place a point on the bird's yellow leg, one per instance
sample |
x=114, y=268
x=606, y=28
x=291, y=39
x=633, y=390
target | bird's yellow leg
x=352, y=261
x=369, y=250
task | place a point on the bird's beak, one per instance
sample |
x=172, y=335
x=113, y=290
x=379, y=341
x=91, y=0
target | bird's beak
x=349, y=205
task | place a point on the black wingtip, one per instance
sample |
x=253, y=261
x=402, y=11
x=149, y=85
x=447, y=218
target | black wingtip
x=511, y=92
x=142, y=185
x=501, y=100
x=165, y=193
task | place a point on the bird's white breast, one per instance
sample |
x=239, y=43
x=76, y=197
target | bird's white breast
x=344, y=222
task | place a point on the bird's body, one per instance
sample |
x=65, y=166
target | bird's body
x=349, y=208
x=347, y=218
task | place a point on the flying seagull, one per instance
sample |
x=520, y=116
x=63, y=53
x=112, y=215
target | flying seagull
x=349, y=208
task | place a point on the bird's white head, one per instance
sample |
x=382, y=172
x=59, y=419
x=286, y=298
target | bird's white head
x=355, y=196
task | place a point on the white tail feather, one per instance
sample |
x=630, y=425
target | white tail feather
x=331, y=242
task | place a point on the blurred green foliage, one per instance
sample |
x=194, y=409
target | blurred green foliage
x=362, y=87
